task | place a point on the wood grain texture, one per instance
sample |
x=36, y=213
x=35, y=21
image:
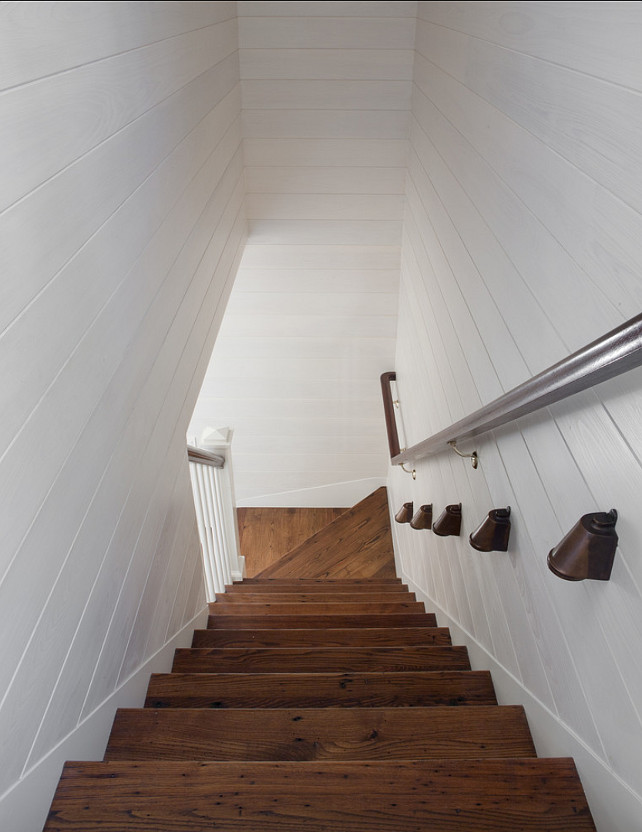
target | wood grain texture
x=302, y=621
x=439, y=796
x=365, y=595
x=356, y=544
x=265, y=534
x=330, y=637
x=314, y=608
x=319, y=659
x=318, y=690
x=320, y=734
x=324, y=584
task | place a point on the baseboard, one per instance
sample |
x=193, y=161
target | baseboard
x=25, y=806
x=614, y=805
x=239, y=574
x=335, y=495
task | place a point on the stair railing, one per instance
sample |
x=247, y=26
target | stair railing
x=611, y=355
x=213, y=490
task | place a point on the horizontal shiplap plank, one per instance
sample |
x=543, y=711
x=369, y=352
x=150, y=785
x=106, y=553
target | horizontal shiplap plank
x=325, y=124
x=374, y=153
x=324, y=206
x=67, y=212
x=42, y=39
x=98, y=100
x=309, y=303
x=321, y=346
x=340, y=326
x=367, y=464
x=363, y=367
x=315, y=280
x=347, y=179
x=227, y=411
x=249, y=445
x=600, y=38
x=595, y=227
x=114, y=603
x=321, y=256
x=311, y=94
x=299, y=426
x=526, y=242
x=134, y=541
x=338, y=64
x=346, y=348
x=325, y=232
x=70, y=297
x=597, y=125
x=326, y=33
x=299, y=386
x=314, y=8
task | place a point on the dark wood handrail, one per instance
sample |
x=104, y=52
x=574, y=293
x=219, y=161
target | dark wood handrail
x=205, y=457
x=614, y=353
x=389, y=413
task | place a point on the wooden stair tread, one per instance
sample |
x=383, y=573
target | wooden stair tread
x=251, y=607
x=531, y=795
x=323, y=583
x=322, y=704
x=327, y=597
x=296, y=637
x=319, y=659
x=317, y=690
x=323, y=733
x=303, y=621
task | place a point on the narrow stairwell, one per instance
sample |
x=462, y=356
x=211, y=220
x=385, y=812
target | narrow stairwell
x=325, y=702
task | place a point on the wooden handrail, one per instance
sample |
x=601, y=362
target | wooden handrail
x=205, y=457
x=614, y=353
x=389, y=412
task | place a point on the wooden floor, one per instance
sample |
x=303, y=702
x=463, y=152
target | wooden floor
x=267, y=533
x=358, y=544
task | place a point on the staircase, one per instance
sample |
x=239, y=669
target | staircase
x=322, y=698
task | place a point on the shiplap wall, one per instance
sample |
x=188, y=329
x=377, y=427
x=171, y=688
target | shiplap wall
x=523, y=242
x=312, y=317
x=121, y=224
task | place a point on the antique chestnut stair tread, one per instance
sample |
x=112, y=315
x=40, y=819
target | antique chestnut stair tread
x=322, y=705
x=305, y=621
x=298, y=597
x=320, y=734
x=318, y=608
x=265, y=581
x=318, y=659
x=271, y=586
x=356, y=637
x=318, y=690
x=530, y=795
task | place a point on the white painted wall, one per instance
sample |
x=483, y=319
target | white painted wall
x=312, y=319
x=121, y=193
x=523, y=242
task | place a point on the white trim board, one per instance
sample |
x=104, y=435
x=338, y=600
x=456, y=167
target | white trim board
x=335, y=495
x=25, y=806
x=614, y=805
